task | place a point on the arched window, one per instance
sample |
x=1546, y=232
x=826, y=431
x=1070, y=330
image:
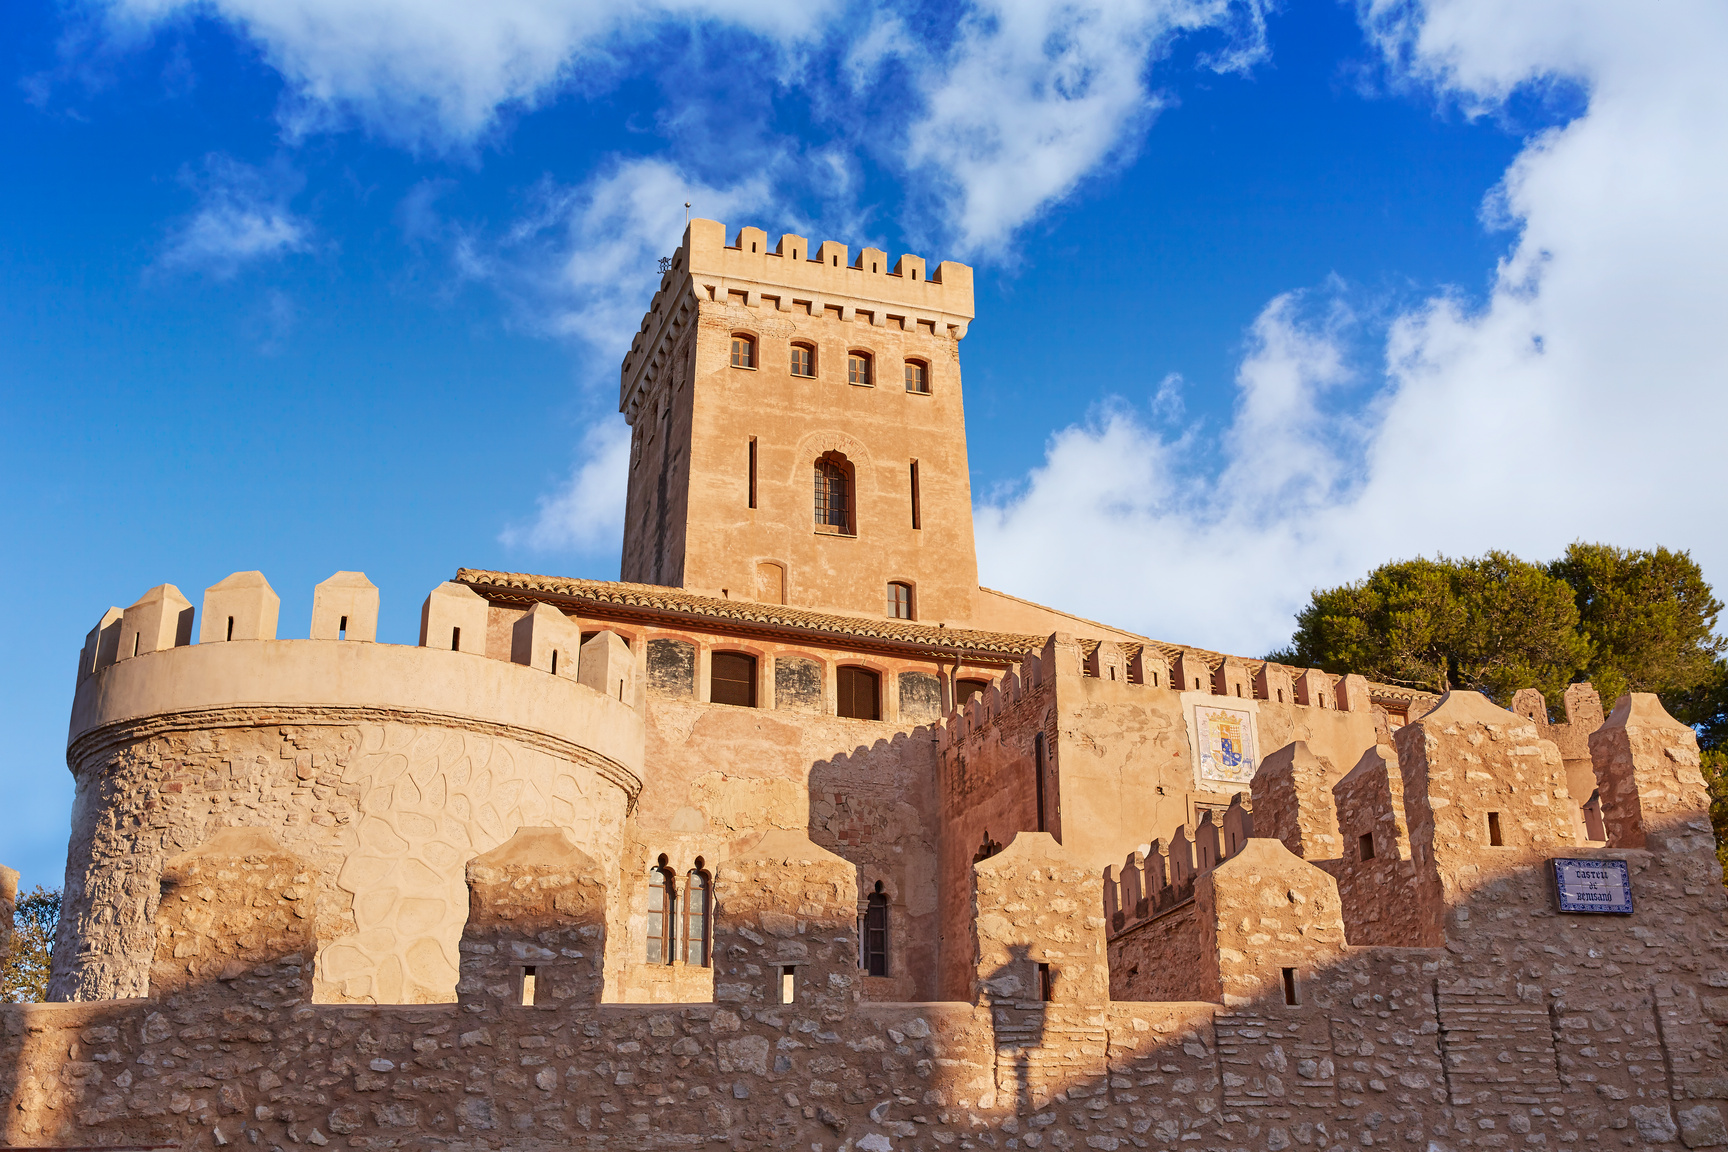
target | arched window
x=899, y=601
x=858, y=368
x=732, y=679
x=859, y=694
x=964, y=690
x=917, y=376
x=662, y=903
x=876, y=933
x=803, y=360
x=696, y=896
x=833, y=495
x=743, y=351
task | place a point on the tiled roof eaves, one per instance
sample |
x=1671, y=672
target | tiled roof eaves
x=674, y=603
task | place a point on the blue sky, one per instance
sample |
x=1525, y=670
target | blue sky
x=1266, y=295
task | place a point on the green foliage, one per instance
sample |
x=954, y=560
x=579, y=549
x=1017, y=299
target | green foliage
x=1649, y=618
x=1493, y=624
x=24, y=967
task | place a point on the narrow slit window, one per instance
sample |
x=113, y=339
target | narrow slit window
x=528, y=986
x=342, y=629
x=1046, y=982
x=554, y=661
x=789, y=984
x=1365, y=845
x=752, y=471
x=136, y=637
x=1495, y=839
x=876, y=933
x=1038, y=777
x=1290, y=986
x=917, y=512
x=455, y=639
x=230, y=635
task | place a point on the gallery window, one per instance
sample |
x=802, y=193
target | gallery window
x=803, y=360
x=858, y=693
x=899, y=601
x=917, y=376
x=662, y=900
x=743, y=352
x=858, y=368
x=697, y=890
x=732, y=679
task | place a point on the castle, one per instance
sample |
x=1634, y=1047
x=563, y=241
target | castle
x=800, y=838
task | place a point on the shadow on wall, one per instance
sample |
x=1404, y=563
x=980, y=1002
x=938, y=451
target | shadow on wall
x=1528, y=1027
x=869, y=806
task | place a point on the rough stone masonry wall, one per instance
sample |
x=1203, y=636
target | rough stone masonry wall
x=385, y=811
x=1528, y=1029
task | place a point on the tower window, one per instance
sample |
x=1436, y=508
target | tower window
x=917, y=512
x=858, y=368
x=899, y=601
x=1365, y=846
x=732, y=679
x=696, y=889
x=876, y=933
x=1290, y=986
x=743, y=352
x=1495, y=839
x=752, y=471
x=859, y=692
x=803, y=360
x=1038, y=758
x=662, y=898
x=917, y=377
x=833, y=496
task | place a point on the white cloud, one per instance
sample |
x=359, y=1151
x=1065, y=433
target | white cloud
x=1036, y=95
x=585, y=514
x=243, y=216
x=1584, y=399
x=435, y=73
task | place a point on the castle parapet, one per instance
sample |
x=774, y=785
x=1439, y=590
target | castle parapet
x=786, y=927
x=1647, y=769
x=536, y=930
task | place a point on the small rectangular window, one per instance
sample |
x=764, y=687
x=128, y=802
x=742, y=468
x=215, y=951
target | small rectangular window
x=752, y=471
x=858, y=369
x=743, y=352
x=1365, y=845
x=342, y=629
x=916, y=378
x=455, y=639
x=1494, y=837
x=732, y=679
x=899, y=601
x=858, y=694
x=1290, y=986
x=789, y=984
x=1046, y=983
x=528, y=986
x=1038, y=777
x=802, y=361
x=917, y=513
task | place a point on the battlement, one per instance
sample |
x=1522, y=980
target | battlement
x=792, y=275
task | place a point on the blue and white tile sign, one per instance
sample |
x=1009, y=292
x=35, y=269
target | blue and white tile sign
x=1593, y=886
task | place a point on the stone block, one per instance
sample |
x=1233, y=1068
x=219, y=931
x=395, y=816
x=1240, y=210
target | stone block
x=536, y=930
x=1293, y=802
x=242, y=606
x=1263, y=911
x=159, y=620
x=1039, y=935
x=345, y=607
x=545, y=638
x=101, y=645
x=1647, y=773
x=454, y=619
x=786, y=925
x=609, y=667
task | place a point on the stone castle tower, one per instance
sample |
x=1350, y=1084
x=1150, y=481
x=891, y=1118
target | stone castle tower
x=797, y=430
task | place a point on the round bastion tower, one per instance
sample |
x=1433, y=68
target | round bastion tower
x=389, y=767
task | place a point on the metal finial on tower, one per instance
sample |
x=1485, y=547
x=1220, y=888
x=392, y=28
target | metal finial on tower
x=686, y=211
